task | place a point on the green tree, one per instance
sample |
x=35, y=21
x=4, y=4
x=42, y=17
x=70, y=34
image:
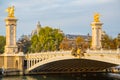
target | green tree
x=79, y=41
x=48, y=39
x=109, y=42
x=2, y=44
x=115, y=43
x=35, y=44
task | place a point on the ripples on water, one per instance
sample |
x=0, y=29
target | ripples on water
x=80, y=76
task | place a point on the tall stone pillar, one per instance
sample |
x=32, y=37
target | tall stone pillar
x=12, y=59
x=11, y=46
x=96, y=32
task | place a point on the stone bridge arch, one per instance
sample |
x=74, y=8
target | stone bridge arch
x=45, y=60
x=74, y=64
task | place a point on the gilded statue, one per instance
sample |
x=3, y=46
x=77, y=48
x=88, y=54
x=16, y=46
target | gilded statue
x=96, y=17
x=10, y=11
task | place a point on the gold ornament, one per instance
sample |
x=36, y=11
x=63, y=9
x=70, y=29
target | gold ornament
x=10, y=11
x=96, y=17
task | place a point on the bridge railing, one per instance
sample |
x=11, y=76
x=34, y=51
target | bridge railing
x=48, y=54
x=103, y=51
x=35, y=58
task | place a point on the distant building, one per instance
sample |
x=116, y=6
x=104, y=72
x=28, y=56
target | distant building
x=36, y=31
x=60, y=31
x=72, y=39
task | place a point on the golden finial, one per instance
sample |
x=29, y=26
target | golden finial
x=96, y=17
x=10, y=11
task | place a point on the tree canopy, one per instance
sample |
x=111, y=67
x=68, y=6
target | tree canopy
x=79, y=41
x=48, y=39
x=109, y=42
x=65, y=45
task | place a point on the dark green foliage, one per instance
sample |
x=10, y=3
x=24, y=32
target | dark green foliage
x=2, y=44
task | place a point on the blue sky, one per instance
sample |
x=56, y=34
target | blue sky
x=71, y=16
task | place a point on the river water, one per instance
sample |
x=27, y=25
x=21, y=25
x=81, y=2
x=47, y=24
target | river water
x=78, y=76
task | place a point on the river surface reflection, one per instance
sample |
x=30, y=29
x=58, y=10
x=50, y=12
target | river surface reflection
x=78, y=76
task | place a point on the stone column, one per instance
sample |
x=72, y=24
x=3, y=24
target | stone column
x=96, y=35
x=11, y=46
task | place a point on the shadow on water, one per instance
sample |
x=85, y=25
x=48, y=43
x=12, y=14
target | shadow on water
x=75, y=76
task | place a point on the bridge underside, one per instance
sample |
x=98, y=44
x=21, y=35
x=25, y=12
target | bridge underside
x=73, y=65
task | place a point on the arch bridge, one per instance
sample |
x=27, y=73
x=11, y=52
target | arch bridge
x=63, y=61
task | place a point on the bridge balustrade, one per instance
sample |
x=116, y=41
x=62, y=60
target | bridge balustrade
x=34, y=58
x=104, y=51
